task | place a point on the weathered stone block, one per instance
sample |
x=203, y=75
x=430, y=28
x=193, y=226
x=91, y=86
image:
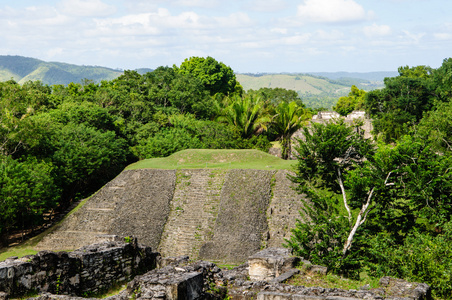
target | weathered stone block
x=273, y=296
x=271, y=263
x=168, y=283
x=400, y=288
x=86, y=270
x=3, y=296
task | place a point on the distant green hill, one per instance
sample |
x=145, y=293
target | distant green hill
x=316, y=91
x=23, y=69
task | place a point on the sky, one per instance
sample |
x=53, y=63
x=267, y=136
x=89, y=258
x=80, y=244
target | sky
x=250, y=36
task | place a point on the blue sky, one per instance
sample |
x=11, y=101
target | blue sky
x=247, y=35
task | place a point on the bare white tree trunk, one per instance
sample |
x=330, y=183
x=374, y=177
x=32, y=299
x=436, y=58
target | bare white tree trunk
x=344, y=196
x=362, y=216
x=360, y=219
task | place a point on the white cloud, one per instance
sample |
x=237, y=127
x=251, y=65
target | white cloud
x=443, y=36
x=199, y=3
x=445, y=33
x=298, y=39
x=238, y=19
x=329, y=36
x=377, y=30
x=279, y=30
x=154, y=23
x=413, y=37
x=267, y=5
x=331, y=11
x=86, y=8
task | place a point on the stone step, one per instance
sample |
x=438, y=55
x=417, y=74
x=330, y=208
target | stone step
x=193, y=213
x=68, y=240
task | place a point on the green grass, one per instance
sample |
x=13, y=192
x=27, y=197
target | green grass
x=216, y=159
x=309, y=279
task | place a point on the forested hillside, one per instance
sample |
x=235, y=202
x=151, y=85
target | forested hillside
x=318, y=90
x=378, y=208
x=23, y=69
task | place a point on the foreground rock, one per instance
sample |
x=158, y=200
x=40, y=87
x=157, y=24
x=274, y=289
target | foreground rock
x=88, y=270
x=93, y=268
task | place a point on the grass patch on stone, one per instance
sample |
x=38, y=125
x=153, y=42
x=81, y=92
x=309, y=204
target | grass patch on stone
x=114, y=290
x=216, y=159
x=309, y=279
x=17, y=251
x=27, y=247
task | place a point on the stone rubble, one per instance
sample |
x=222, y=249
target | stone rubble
x=87, y=270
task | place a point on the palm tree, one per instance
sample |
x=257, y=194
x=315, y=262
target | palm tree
x=288, y=119
x=247, y=114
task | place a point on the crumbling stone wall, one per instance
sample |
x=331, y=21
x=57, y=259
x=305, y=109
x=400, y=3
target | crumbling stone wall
x=354, y=117
x=180, y=280
x=83, y=272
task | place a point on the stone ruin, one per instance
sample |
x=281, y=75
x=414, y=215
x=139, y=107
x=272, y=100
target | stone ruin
x=354, y=117
x=84, y=272
x=208, y=214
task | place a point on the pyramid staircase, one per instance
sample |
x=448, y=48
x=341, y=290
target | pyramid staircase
x=194, y=209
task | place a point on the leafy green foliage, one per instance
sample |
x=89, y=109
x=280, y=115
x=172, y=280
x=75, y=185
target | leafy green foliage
x=27, y=190
x=402, y=227
x=288, y=119
x=277, y=95
x=442, y=79
x=325, y=156
x=399, y=105
x=215, y=76
x=247, y=114
x=87, y=157
x=186, y=132
x=354, y=101
x=421, y=257
x=436, y=127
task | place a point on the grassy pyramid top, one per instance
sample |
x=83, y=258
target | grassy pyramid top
x=216, y=159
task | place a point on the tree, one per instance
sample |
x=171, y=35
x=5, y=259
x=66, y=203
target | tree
x=415, y=72
x=385, y=195
x=27, y=190
x=436, y=127
x=400, y=105
x=215, y=76
x=247, y=115
x=86, y=157
x=288, y=119
x=354, y=101
x=442, y=79
x=277, y=95
x=185, y=92
x=327, y=155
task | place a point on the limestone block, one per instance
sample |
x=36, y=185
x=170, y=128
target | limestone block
x=271, y=263
x=167, y=283
x=400, y=288
x=273, y=296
